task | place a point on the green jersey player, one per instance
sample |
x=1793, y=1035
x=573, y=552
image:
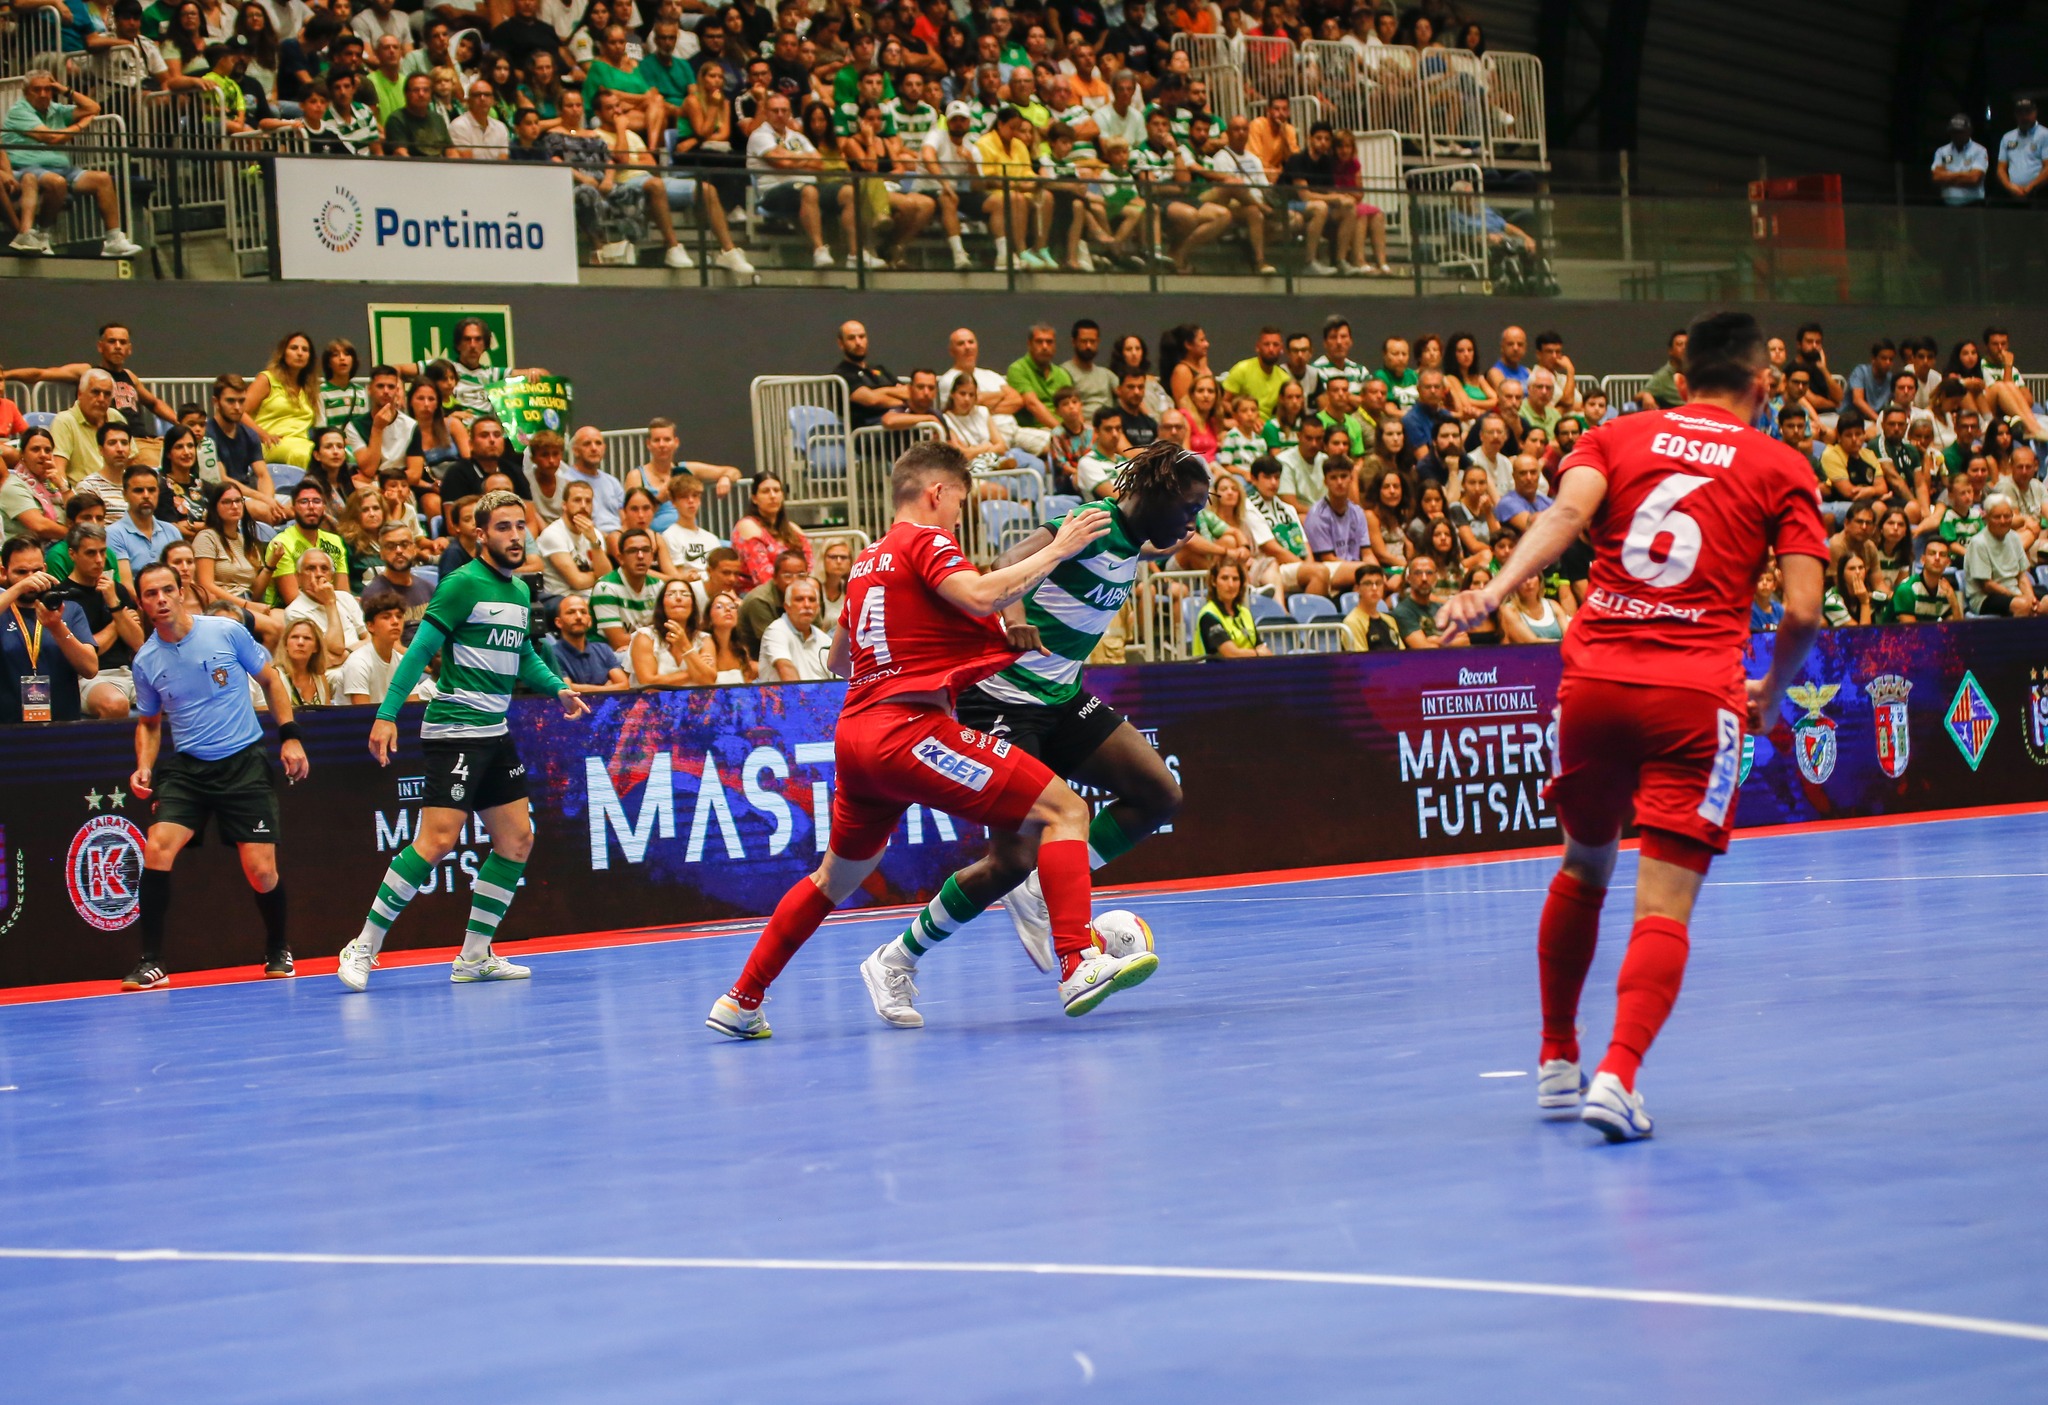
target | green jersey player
x=1039, y=705
x=480, y=622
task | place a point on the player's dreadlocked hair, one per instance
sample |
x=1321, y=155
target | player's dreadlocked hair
x=1159, y=470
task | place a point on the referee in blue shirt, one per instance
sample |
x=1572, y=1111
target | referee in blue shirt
x=197, y=670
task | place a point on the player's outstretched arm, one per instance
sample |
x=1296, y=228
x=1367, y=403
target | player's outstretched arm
x=412, y=664
x=980, y=595
x=1555, y=528
x=1803, y=580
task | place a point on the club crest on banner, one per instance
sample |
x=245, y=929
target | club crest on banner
x=1748, y=758
x=1887, y=693
x=1813, y=736
x=103, y=871
x=2037, y=716
x=1971, y=720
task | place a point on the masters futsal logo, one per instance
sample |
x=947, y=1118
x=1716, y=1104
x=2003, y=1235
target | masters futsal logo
x=1887, y=694
x=1971, y=720
x=103, y=872
x=339, y=223
x=1813, y=736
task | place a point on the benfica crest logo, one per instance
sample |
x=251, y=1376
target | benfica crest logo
x=1813, y=736
x=1887, y=694
x=1971, y=720
x=1748, y=758
x=2037, y=716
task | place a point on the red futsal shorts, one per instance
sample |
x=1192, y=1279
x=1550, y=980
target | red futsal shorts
x=1671, y=756
x=890, y=758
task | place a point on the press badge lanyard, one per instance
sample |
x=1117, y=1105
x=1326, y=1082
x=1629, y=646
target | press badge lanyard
x=35, y=687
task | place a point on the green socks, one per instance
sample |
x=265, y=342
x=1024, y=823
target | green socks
x=942, y=917
x=492, y=893
x=1107, y=841
x=401, y=881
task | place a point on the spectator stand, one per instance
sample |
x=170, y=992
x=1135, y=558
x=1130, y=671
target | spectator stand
x=1008, y=506
x=1622, y=391
x=1456, y=107
x=800, y=434
x=1518, y=137
x=1212, y=59
x=102, y=146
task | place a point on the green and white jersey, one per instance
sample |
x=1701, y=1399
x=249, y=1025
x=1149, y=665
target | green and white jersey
x=912, y=123
x=846, y=120
x=1071, y=609
x=341, y=403
x=1238, y=450
x=614, y=603
x=1053, y=169
x=472, y=387
x=1074, y=117
x=1285, y=522
x=484, y=618
x=1323, y=369
x=1151, y=164
x=984, y=118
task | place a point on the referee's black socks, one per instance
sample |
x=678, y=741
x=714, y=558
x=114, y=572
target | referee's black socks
x=156, y=905
x=272, y=906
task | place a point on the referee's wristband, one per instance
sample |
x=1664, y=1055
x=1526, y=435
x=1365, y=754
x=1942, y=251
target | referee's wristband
x=288, y=731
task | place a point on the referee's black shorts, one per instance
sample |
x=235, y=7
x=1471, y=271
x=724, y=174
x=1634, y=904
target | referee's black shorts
x=239, y=791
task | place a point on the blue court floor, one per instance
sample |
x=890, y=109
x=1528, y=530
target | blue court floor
x=1308, y=1150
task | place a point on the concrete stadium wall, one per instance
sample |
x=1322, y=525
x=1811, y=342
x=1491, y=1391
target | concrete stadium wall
x=690, y=355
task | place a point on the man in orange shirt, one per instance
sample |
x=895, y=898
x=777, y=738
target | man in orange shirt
x=1273, y=138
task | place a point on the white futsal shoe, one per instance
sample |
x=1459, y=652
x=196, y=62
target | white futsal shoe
x=1101, y=975
x=891, y=988
x=1560, y=1084
x=736, y=1021
x=492, y=967
x=1618, y=1113
x=356, y=960
x=1026, y=905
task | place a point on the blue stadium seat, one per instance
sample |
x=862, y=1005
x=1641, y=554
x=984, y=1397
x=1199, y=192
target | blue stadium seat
x=1058, y=505
x=1267, y=610
x=809, y=423
x=1307, y=609
x=1347, y=602
x=285, y=477
x=428, y=576
x=40, y=419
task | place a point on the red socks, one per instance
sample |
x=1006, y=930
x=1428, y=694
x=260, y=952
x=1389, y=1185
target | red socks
x=1565, y=941
x=1063, y=874
x=1650, y=977
x=802, y=908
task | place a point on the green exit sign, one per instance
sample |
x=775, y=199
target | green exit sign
x=402, y=333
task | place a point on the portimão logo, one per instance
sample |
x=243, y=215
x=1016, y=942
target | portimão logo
x=339, y=223
x=1887, y=694
x=1813, y=736
x=103, y=872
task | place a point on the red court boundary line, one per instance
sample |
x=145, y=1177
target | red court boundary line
x=645, y=936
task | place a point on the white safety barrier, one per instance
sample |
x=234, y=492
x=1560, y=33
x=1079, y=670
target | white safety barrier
x=1336, y=74
x=1380, y=183
x=801, y=435
x=1448, y=234
x=1622, y=391
x=870, y=507
x=101, y=146
x=1518, y=134
x=1455, y=105
x=29, y=39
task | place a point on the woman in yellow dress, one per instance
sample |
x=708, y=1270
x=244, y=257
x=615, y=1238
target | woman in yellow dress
x=284, y=401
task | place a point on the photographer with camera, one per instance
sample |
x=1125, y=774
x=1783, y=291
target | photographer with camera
x=45, y=644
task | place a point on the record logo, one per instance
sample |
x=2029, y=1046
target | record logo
x=1887, y=694
x=1813, y=736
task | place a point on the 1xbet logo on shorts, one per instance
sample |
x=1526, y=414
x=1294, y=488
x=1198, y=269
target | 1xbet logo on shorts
x=951, y=764
x=103, y=872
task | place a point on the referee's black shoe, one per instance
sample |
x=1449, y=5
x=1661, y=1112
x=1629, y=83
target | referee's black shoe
x=147, y=975
x=278, y=965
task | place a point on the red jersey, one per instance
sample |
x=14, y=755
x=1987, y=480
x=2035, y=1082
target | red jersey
x=1694, y=500
x=906, y=637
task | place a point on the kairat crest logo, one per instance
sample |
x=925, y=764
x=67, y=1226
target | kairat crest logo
x=1887, y=694
x=2037, y=716
x=1971, y=720
x=339, y=222
x=13, y=884
x=1813, y=736
x=103, y=872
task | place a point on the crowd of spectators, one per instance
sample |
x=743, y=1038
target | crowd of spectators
x=1390, y=484
x=883, y=116
x=319, y=501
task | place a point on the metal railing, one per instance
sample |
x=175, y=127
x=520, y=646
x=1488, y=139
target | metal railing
x=875, y=449
x=28, y=39
x=801, y=428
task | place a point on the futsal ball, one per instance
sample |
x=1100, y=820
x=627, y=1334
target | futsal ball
x=1123, y=933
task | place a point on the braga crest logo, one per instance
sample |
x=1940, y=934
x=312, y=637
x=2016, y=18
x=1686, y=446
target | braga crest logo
x=1887, y=694
x=103, y=872
x=339, y=223
x=1813, y=736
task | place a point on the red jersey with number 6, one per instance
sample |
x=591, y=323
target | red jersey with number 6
x=906, y=637
x=1695, y=499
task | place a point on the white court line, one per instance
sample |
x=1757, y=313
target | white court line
x=1983, y=1326
x=1168, y=895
